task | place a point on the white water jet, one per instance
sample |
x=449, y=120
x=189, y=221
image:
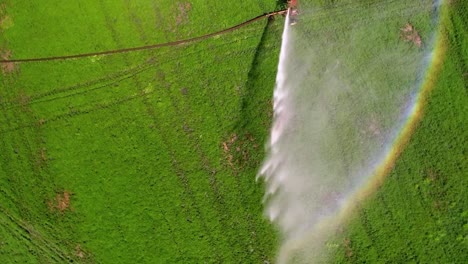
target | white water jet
x=345, y=77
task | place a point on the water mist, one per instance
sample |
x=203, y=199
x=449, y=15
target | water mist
x=348, y=76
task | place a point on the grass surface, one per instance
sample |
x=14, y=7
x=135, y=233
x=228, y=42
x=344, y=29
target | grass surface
x=150, y=157
x=420, y=213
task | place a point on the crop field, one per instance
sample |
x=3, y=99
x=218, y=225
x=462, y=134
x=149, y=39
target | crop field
x=420, y=215
x=151, y=156
x=146, y=157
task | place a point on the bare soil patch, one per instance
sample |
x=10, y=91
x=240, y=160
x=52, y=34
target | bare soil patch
x=183, y=8
x=5, y=54
x=79, y=252
x=8, y=67
x=409, y=34
x=237, y=150
x=61, y=202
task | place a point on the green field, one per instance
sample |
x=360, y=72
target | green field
x=420, y=214
x=151, y=156
x=120, y=159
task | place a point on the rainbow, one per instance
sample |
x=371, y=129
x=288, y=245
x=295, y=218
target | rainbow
x=412, y=117
x=376, y=175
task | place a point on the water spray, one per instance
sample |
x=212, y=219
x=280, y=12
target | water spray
x=346, y=91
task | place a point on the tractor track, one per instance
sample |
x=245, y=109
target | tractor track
x=79, y=110
x=97, y=84
x=149, y=47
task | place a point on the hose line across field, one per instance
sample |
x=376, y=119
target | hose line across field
x=147, y=47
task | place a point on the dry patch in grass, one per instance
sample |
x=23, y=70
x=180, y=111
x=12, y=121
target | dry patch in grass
x=8, y=67
x=61, y=202
x=409, y=34
x=237, y=150
x=5, y=54
x=183, y=8
x=79, y=252
x=5, y=22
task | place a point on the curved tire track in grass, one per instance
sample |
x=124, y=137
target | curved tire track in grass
x=99, y=83
x=80, y=110
x=22, y=224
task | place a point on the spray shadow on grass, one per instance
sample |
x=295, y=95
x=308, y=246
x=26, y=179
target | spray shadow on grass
x=255, y=105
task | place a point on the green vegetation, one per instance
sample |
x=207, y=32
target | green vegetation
x=420, y=215
x=146, y=157
x=151, y=157
x=364, y=68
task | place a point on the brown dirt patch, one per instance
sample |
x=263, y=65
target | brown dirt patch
x=61, y=202
x=237, y=150
x=183, y=8
x=6, y=67
x=5, y=54
x=409, y=34
x=79, y=252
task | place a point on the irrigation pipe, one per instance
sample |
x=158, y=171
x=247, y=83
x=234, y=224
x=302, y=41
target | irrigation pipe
x=153, y=46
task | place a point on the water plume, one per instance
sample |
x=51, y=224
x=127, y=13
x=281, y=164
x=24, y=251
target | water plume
x=350, y=84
